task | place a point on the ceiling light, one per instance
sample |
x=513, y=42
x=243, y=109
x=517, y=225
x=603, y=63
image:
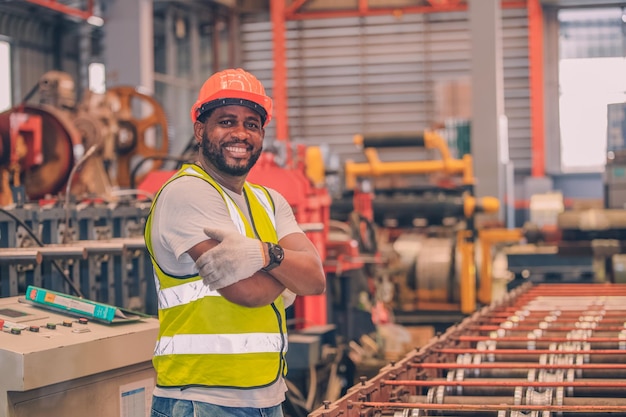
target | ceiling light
x=95, y=21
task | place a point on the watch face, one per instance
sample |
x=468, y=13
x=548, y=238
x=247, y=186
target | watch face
x=276, y=256
x=278, y=253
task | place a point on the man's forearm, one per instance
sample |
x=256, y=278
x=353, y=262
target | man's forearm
x=301, y=272
x=301, y=269
x=259, y=290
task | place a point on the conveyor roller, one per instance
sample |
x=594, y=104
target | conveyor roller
x=545, y=350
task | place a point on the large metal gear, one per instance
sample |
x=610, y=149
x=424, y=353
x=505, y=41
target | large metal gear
x=142, y=135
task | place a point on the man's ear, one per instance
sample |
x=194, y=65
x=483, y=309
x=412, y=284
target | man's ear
x=198, y=131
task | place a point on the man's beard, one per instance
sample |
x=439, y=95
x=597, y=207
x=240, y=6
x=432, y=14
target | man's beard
x=214, y=155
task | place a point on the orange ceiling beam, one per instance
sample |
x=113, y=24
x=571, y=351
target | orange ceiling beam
x=295, y=12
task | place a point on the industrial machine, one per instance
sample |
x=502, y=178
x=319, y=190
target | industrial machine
x=547, y=349
x=43, y=144
x=68, y=219
x=420, y=208
x=114, y=271
x=55, y=364
x=586, y=245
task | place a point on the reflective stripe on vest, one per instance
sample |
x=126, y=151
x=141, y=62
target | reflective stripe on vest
x=190, y=344
x=184, y=294
x=204, y=339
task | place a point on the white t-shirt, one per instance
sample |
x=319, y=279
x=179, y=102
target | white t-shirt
x=181, y=212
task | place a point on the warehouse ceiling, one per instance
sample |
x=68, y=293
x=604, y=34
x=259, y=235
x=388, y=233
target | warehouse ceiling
x=57, y=6
x=583, y=3
x=77, y=10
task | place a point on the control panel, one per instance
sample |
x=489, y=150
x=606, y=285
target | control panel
x=46, y=354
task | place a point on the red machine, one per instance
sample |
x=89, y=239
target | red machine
x=36, y=145
x=311, y=206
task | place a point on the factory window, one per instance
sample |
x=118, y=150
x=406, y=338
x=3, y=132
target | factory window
x=5, y=75
x=588, y=86
x=160, y=43
x=592, y=65
x=223, y=46
x=205, y=30
x=183, y=47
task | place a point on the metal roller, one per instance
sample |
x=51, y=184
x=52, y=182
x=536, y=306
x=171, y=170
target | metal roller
x=406, y=207
x=435, y=271
x=20, y=256
x=390, y=140
x=432, y=263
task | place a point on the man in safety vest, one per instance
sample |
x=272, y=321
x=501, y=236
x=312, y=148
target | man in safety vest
x=228, y=258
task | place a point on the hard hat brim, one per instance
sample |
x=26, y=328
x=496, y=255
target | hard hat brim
x=220, y=102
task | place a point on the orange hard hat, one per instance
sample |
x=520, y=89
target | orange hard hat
x=233, y=87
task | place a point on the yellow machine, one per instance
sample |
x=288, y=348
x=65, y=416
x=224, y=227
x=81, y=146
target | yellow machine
x=425, y=205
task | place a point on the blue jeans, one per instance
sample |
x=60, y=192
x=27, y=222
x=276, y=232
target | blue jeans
x=169, y=407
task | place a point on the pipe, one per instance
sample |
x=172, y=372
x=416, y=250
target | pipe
x=62, y=252
x=495, y=382
x=20, y=256
x=466, y=403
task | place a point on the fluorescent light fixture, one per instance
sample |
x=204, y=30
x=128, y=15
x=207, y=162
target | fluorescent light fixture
x=95, y=21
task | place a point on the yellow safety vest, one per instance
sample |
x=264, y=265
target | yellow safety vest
x=204, y=339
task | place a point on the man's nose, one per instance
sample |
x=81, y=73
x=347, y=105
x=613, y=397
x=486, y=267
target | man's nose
x=240, y=132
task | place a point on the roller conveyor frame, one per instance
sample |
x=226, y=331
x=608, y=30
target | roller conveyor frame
x=546, y=352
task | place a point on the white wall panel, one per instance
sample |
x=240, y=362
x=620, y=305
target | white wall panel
x=378, y=74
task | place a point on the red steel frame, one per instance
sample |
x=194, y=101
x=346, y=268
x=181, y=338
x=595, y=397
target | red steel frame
x=280, y=13
x=68, y=10
x=535, y=55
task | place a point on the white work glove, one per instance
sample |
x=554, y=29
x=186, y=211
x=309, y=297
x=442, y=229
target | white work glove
x=288, y=297
x=236, y=257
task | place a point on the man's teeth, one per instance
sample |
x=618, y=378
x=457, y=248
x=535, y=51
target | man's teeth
x=234, y=149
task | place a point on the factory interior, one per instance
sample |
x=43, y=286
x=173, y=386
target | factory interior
x=459, y=165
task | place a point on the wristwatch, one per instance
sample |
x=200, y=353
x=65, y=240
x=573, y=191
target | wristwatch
x=276, y=255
